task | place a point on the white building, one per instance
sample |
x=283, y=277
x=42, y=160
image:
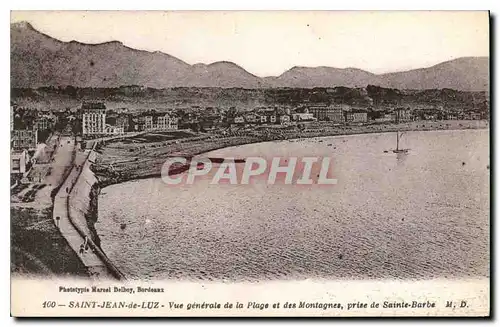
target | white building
x=284, y=119
x=11, y=118
x=113, y=130
x=42, y=123
x=166, y=122
x=402, y=115
x=18, y=161
x=303, y=117
x=148, y=123
x=93, y=118
x=160, y=122
x=357, y=117
x=24, y=139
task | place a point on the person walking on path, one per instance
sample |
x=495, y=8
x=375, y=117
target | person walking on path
x=82, y=249
x=86, y=244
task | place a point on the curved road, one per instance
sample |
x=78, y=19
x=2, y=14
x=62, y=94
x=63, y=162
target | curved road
x=96, y=267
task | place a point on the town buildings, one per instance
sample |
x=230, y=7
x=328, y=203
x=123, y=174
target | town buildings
x=267, y=116
x=11, y=117
x=384, y=118
x=24, y=139
x=239, y=119
x=283, y=116
x=19, y=161
x=43, y=123
x=113, y=130
x=262, y=116
x=329, y=113
x=211, y=121
x=123, y=121
x=402, y=115
x=284, y=119
x=472, y=115
x=93, y=118
x=166, y=122
x=303, y=117
x=251, y=118
x=153, y=121
x=356, y=117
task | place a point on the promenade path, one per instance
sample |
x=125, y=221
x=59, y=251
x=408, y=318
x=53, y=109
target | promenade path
x=96, y=266
x=62, y=159
x=56, y=163
x=75, y=229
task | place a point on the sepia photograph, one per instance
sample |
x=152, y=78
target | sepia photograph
x=250, y=163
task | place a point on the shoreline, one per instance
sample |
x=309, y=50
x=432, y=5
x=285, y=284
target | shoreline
x=131, y=173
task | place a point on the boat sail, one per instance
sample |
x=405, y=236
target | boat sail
x=398, y=150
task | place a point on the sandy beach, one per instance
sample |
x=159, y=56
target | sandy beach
x=143, y=156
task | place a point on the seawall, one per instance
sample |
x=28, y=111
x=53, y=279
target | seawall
x=83, y=200
x=82, y=209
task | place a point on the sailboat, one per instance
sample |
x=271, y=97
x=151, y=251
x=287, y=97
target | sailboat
x=398, y=150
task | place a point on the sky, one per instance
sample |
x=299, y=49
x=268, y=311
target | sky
x=269, y=43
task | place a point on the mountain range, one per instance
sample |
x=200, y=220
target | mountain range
x=39, y=60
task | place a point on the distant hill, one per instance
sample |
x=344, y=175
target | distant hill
x=467, y=74
x=40, y=60
x=137, y=98
x=307, y=77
